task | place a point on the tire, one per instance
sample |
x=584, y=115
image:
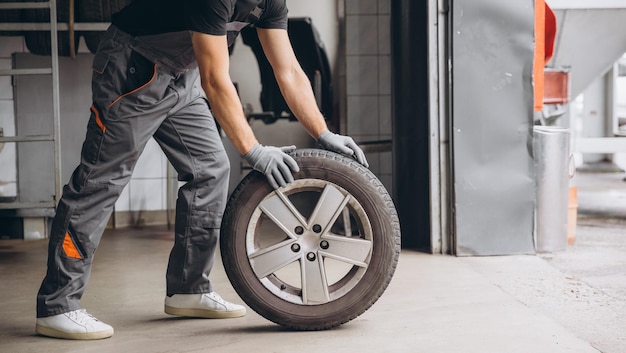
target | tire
x=97, y=11
x=348, y=260
x=38, y=42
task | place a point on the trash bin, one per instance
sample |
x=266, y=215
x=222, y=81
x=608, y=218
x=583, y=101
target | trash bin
x=551, y=152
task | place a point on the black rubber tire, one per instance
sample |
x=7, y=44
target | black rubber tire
x=38, y=42
x=10, y=16
x=97, y=11
x=359, y=183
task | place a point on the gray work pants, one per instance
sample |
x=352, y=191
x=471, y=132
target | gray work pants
x=136, y=97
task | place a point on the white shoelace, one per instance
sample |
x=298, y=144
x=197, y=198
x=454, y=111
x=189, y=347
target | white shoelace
x=81, y=316
x=217, y=298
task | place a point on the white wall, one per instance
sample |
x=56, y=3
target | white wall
x=8, y=167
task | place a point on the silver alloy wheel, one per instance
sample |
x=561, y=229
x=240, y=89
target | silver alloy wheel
x=317, y=253
x=309, y=259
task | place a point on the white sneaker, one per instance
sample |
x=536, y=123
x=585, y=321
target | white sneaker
x=205, y=305
x=75, y=325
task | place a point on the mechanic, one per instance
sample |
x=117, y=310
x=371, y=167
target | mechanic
x=145, y=84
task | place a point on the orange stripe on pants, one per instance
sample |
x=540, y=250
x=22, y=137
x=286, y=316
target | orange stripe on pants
x=96, y=113
x=70, y=248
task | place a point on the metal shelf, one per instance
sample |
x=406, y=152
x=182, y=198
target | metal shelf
x=40, y=71
x=24, y=5
x=44, y=26
x=31, y=138
x=53, y=70
x=23, y=205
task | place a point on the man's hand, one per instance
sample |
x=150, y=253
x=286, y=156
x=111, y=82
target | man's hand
x=342, y=144
x=274, y=162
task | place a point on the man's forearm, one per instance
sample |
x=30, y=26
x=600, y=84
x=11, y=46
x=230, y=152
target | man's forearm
x=213, y=64
x=296, y=88
x=226, y=107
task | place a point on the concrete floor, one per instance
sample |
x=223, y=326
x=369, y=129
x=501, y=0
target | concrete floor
x=573, y=301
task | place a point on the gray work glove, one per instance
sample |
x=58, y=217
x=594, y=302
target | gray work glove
x=342, y=144
x=274, y=162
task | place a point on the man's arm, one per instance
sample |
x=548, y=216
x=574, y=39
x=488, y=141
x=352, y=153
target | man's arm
x=213, y=62
x=298, y=93
x=293, y=82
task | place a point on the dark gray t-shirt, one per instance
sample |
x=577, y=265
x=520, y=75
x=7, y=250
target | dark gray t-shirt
x=216, y=17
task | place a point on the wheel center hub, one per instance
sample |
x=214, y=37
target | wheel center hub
x=309, y=241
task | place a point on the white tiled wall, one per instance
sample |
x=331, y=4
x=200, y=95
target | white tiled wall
x=368, y=78
x=8, y=166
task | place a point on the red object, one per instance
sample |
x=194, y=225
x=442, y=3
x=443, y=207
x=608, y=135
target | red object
x=545, y=33
x=550, y=33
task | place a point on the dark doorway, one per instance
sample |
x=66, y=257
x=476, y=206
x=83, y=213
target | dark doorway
x=409, y=21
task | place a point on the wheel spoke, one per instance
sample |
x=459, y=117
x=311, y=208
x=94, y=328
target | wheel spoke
x=282, y=212
x=349, y=250
x=314, y=283
x=328, y=208
x=347, y=226
x=269, y=260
